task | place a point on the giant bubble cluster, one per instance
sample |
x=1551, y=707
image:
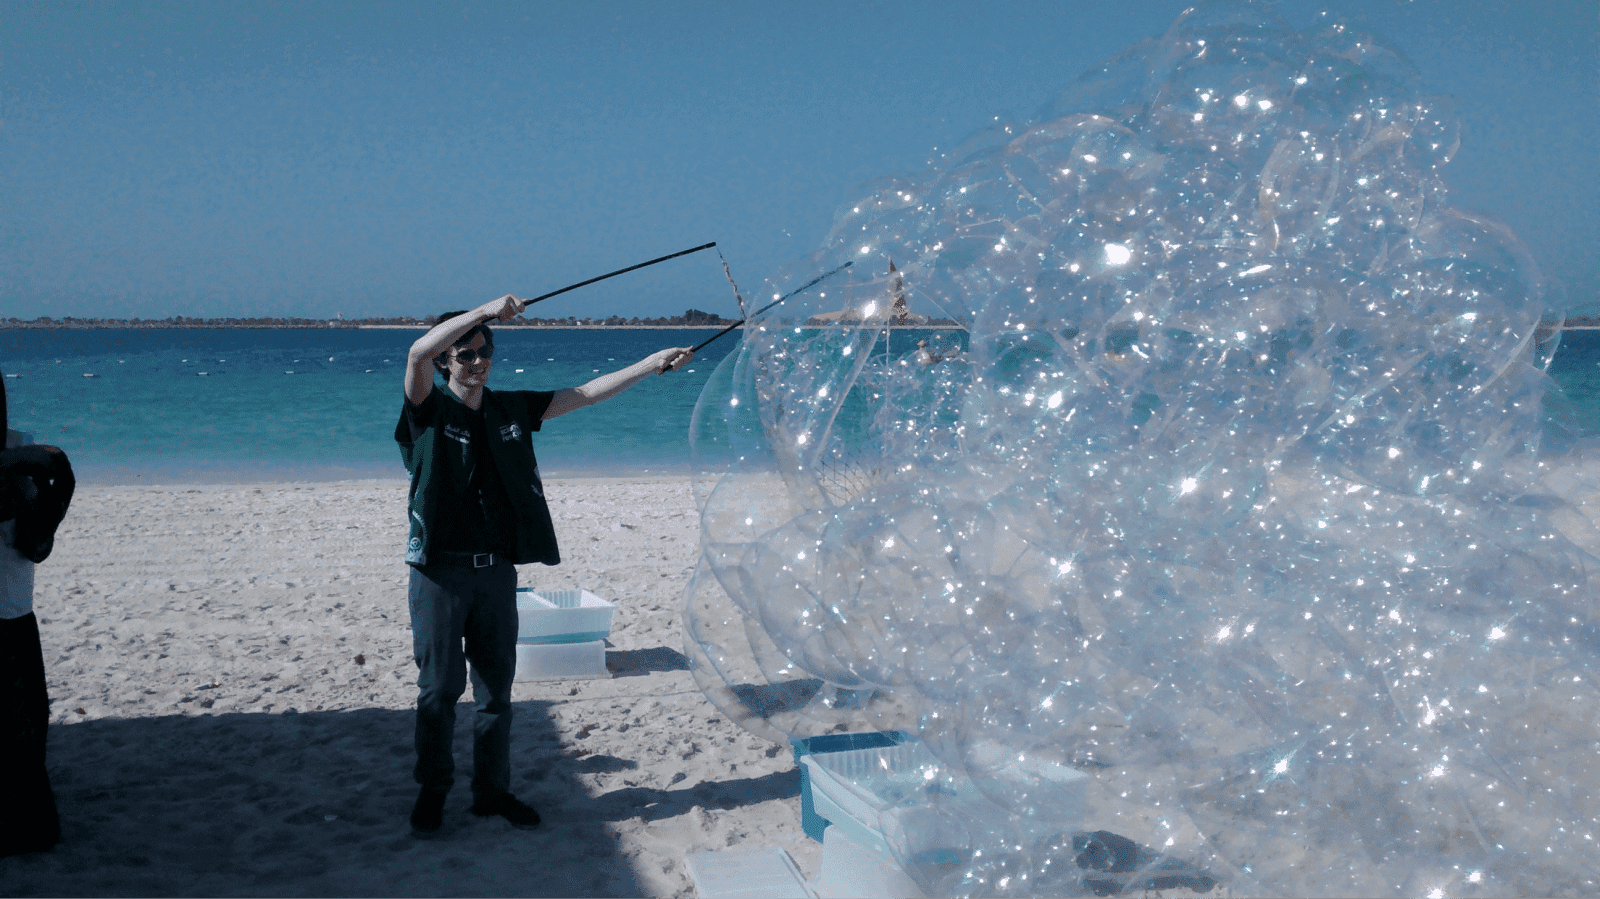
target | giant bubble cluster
x=1220, y=485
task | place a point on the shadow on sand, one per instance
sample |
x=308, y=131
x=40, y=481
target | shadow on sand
x=639, y=662
x=317, y=804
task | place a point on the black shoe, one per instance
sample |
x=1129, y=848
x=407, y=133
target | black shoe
x=508, y=807
x=428, y=813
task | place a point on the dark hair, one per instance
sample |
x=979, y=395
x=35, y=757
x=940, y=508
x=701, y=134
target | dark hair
x=463, y=340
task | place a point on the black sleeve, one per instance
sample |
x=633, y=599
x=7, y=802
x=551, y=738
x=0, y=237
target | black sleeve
x=37, y=486
x=416, y=417
x=538, y=401
x=12, y=498
x=20, y=468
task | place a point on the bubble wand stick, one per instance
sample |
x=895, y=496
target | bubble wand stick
x=620, y=271
x=806, y=286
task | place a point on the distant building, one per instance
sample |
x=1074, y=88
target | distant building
x=895, y=312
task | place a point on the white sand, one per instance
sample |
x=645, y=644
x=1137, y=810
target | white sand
x=214, y=734
x=231, y=681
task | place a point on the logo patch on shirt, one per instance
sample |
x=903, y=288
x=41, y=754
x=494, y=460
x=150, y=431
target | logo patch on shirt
x=511, y=431
x=459, y=434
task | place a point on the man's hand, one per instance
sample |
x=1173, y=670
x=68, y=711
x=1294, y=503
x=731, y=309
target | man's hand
x=673, y=359
x=506, y=308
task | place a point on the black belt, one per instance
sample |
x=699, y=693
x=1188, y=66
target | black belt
x=478, y=560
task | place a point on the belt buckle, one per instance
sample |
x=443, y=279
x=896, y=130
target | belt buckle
x=483, y=560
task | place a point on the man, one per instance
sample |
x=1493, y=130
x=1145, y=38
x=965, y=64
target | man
x=477, y=509
x=36, y=485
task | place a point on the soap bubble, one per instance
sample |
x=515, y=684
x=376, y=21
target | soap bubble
x=1216, y=525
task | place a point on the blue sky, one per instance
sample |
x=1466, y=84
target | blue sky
x=288, y=159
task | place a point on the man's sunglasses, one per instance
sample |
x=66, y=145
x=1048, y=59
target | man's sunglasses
x=469, y=356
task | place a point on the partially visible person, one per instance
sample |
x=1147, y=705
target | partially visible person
x=477, y=509
x=36, y=486
x=927, y=356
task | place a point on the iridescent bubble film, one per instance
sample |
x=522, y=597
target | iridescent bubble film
x=1190, y=446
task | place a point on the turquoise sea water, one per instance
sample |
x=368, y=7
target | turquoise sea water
x=230, y=405
x=225, y=405
x=1574, y=409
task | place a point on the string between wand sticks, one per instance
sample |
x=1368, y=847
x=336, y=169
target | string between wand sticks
x=736, y=294
x=806, y=286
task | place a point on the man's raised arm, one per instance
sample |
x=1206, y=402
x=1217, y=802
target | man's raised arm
x=419, y=361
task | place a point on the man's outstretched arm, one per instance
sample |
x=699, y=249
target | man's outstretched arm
x=607, y=386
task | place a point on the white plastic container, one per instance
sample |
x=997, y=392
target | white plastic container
x=850, y=869
x=852, y=790
x=562, y=616
x=880, y=776
x=762, y=872
x=561, y=661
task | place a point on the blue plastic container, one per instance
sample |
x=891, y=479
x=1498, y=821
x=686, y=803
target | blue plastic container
x=812, y=823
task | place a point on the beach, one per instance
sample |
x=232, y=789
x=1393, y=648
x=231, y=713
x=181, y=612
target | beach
x=232, y=689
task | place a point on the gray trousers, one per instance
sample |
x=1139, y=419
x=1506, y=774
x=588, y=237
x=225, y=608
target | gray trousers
x=458, y=614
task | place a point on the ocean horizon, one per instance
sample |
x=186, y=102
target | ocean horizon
x=247, y=405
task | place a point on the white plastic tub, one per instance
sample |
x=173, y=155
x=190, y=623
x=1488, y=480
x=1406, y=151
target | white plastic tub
x=851, y=870
x=562, y=616
x=561, y=661
x=852, y=789
x=762, y=872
